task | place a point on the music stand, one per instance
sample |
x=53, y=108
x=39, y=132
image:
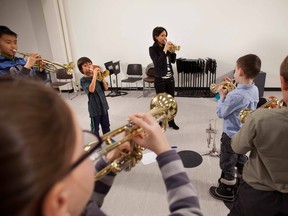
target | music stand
x=117, y=71
x=114, y=68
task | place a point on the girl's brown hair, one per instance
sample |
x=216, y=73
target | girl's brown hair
x=37, y=140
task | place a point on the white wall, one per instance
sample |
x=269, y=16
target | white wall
x=224, y=29
x=107, y=30
x=26, y=18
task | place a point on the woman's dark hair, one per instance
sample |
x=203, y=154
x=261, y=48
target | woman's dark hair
x=7, y=31
x=37, y=141
x=284, y=69
x=157, y=31
x=81, y=61
x=250, y=64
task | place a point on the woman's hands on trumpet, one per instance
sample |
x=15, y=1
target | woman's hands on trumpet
x=168, y=46
x=152, y=137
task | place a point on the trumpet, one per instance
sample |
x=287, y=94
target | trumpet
x=174, y=48
x=50, y=66
x=227, y=84
x=101, y=74
x=163, y=107
x=272, y=103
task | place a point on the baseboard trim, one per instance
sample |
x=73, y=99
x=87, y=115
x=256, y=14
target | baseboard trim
x=176, y=89
x=272, y=89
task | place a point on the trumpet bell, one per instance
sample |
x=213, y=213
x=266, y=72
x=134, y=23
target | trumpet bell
x=175, y=48
x=103, y=74
x=69, y=67
x=243, y=114
x=165, y=101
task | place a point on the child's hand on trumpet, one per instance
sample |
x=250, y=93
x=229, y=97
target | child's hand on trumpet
x=152, y=137
x=32, y=59
x=116, y=153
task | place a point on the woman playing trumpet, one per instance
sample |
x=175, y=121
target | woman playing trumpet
x=13, y=66
x=94, y=88
x=162, y=57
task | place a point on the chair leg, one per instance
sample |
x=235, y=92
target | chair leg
x=69, y=92
x=143, y=88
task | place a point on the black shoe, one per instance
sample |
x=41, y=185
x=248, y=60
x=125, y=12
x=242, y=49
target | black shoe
x=223, y=192
x=174, y=126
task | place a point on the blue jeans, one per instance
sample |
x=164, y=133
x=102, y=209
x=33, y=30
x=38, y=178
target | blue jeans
x=102, y=120
x=229, y=159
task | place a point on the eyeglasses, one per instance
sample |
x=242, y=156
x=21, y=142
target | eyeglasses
x=93, y=143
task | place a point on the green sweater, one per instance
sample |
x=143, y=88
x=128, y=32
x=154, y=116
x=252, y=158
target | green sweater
x=265, y=135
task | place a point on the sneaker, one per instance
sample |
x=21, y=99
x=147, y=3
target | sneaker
x=225, y=190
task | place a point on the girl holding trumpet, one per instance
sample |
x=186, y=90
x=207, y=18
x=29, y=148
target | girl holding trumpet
x=94, y=88
x=12, y=66
x=163, y=55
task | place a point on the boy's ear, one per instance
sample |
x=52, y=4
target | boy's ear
x=241, y=72
x=284, y=84
x=56, y=201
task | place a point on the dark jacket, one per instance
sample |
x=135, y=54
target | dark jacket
x=159, y=59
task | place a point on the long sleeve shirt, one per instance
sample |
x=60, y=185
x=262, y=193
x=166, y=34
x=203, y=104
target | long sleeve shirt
x=181, y=194
x=244, y=96
x=265, y=135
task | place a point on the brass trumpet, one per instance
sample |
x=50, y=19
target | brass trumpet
x=163, y=107
x=174, y=48
x=101, y=74
x=272, y=103
x=229, y=85
x=50, y=66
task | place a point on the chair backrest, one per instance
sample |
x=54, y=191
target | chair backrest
x=110, y=66
x=61, y=73
x=117, y=67
x=150, y=70
x=134, y=69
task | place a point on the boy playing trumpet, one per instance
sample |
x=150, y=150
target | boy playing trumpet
x=12, y=66
x=229, y=105
x=94, y=88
